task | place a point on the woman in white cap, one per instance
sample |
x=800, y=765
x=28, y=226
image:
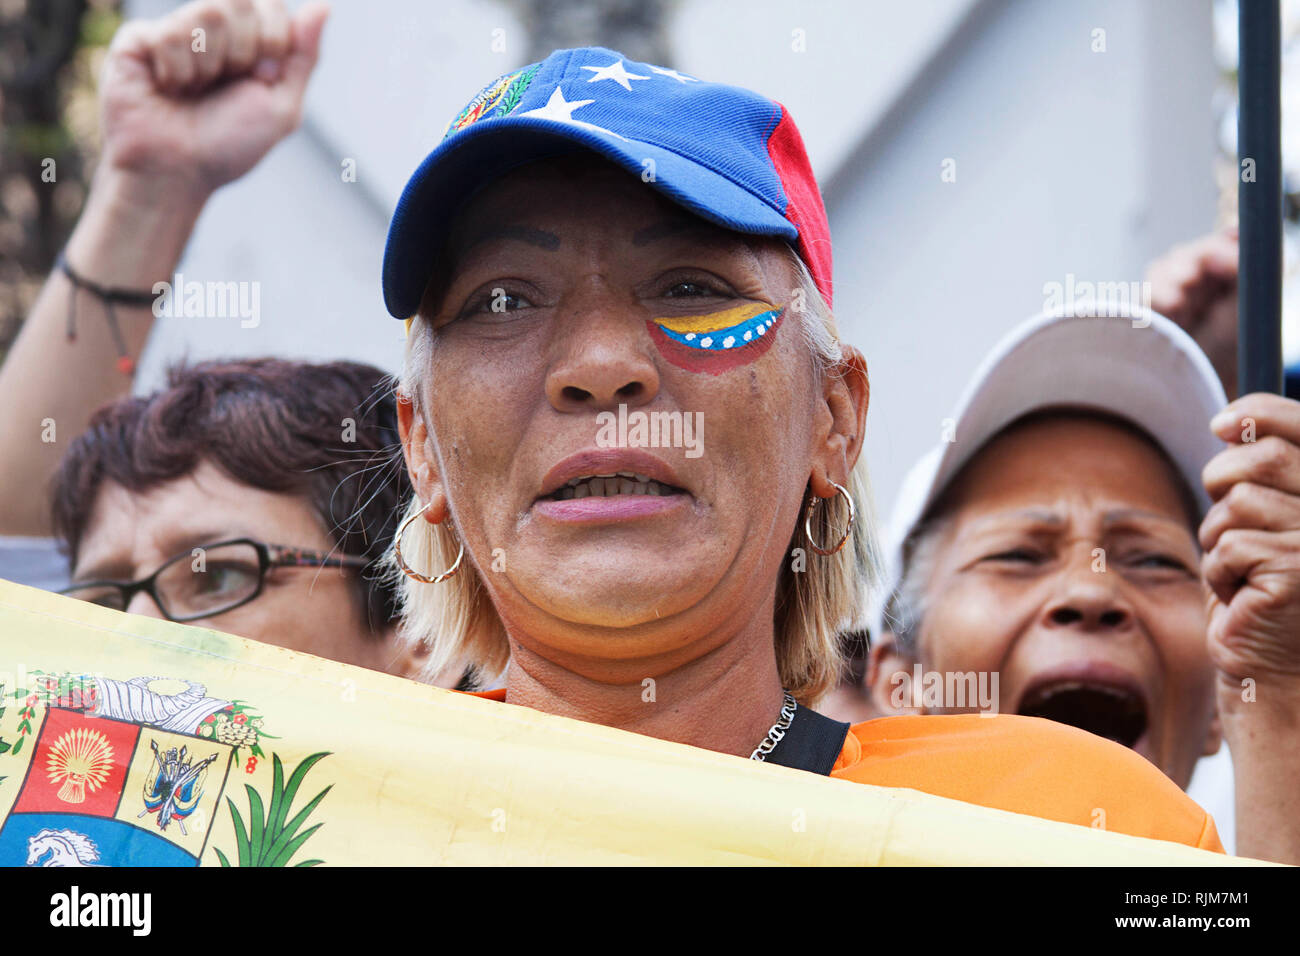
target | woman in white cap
x=1053, y=549
x=634, y=438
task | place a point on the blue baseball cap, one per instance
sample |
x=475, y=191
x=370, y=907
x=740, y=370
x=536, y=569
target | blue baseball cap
x=727, y=154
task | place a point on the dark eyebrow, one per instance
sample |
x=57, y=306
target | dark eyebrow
x=1049, y=519
x=1030, y=515
x=675, y=227
x=1126, y=515
x=535, y=237
x=173, y=546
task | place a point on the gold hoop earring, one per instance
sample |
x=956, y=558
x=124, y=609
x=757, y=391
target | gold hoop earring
x=409, y=571
x=807, y=521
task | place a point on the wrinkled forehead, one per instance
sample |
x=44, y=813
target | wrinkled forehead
x=129, y=527
x=561, y=201
x=1037, y=462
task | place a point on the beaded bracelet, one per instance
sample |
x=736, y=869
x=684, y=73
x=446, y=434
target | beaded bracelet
x=110, y=297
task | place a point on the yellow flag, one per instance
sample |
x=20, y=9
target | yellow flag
x=126, y=740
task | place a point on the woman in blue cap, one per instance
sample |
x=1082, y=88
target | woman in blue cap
x=635, y=439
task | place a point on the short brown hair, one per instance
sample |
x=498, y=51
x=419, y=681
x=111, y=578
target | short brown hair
x=276, y=425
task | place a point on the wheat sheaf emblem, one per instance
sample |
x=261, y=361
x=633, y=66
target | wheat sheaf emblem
x=81, y=759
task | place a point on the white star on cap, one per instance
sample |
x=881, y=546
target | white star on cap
x=557, y=108
x=616, y=72
x=679, y=77
x=560, y=110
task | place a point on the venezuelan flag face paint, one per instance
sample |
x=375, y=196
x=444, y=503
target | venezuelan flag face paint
x=719, y=341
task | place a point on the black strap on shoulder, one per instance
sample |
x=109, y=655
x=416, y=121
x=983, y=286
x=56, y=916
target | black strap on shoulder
x=812, y=743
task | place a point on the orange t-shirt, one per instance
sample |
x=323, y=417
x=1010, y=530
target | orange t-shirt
x=1025, y=765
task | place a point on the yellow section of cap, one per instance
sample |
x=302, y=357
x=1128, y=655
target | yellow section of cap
x=408, y=325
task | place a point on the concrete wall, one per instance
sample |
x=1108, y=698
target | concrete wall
x=1067, y=160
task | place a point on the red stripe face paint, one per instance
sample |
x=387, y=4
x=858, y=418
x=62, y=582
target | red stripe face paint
x=717, y=342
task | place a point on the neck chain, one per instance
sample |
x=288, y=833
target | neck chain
x=778, y=730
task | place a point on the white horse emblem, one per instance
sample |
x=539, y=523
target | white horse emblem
x=65, y=848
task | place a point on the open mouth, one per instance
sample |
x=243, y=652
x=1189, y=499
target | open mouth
x=611, y=486
x=1117, y=713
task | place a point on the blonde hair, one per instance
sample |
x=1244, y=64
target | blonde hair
x=814, y=606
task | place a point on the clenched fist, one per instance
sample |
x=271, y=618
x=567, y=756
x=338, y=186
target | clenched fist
x=1251, y=542
x=200, y=95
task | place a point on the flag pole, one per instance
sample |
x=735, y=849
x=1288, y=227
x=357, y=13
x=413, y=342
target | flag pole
x=1259, y=197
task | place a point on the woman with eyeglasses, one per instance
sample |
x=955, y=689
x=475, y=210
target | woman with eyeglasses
x=251, y=497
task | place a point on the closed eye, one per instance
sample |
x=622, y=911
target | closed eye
x=1158, y=562
x=1018, y=555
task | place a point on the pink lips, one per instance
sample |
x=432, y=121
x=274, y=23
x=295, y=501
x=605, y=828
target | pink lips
x=614, y=508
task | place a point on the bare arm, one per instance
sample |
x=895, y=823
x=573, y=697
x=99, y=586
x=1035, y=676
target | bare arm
x=1251, y=564
x=1264, y=738
x=182, y=113
x=49, y=385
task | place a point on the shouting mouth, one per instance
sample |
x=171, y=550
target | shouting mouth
x=1116, y=712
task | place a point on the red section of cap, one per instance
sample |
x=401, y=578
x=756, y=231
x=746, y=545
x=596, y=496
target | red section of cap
x=804, y=207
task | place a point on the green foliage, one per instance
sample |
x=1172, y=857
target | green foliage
x=36, y=140
x=98, y=26
x=268, y=840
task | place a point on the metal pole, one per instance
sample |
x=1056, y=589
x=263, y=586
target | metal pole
x=1259, y=197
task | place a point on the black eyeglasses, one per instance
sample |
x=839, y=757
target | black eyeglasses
x=209, y=580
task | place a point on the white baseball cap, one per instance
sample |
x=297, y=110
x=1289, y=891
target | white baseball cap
x=1137, y=365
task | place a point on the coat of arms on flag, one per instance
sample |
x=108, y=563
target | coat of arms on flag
x=367, y=769
x=132, y=773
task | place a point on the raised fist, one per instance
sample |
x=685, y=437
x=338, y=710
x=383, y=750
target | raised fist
x=202, y=94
